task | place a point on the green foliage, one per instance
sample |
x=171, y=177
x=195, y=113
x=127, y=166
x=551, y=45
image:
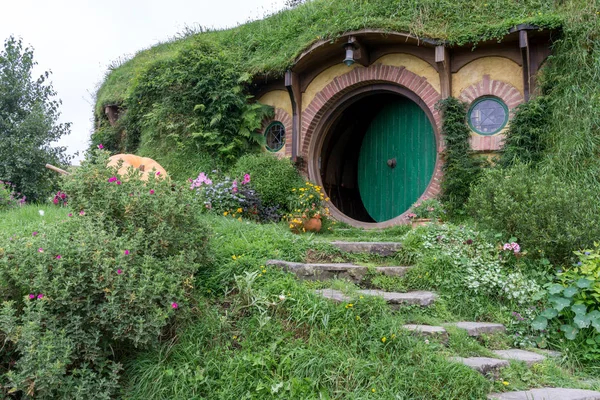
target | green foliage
x=524, y=141
x=28, y=123
x=273, y=178
x=82, y=293
x=574, y=305
x=544, y=212
x=430, y=208
x=461, y=167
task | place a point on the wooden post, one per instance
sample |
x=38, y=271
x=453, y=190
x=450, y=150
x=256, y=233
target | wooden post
x=292, y=84
x=524, y=46
x=56, y=169
x=442, y=59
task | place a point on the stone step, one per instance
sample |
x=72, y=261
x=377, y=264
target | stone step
x=380, y=248
x=324, y=271
x=528, y=357
x=428, y=330
x=483, y=365
x=392, y=298
x=478, y=328
x=547, y=394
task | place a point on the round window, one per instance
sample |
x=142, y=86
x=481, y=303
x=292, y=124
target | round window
x=488, y=115
x=275, y=136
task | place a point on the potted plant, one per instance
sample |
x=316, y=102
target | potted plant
x=308, y=205
x=426, y=212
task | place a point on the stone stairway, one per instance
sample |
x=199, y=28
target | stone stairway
x=485, y=365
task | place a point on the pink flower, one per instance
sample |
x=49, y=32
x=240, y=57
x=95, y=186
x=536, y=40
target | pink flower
x=118, y=182
x=112, y=179
x=157, y=173
x=126, y=252
x=70, y=214
x=119, y=272
x=40, y=250
x=175, y=305
x=34, y=233
x=40, y=296
x=82, y=213
x=58, y=257
x=55, y=201
x=246, y=179
x=151, y=191
x=100, y=146
x=32, y=296
x=63, y=196
x=514, y=247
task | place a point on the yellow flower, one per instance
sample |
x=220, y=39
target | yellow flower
x=349, y=305
x=383, y=339
x=264, y=271
x=225, y=213
x=393, y=336
x=234, y=337
x=239, y=210
x=361, y=297
x=311, y=196
x=505, y=383
x=293, y=190
x=291, y=226
x=373, y=390
x=327, y=199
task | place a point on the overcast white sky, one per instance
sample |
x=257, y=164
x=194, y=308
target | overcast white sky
x=77, y=39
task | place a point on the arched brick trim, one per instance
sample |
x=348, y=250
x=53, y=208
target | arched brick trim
x=285, y=118
x=345, y=85
x=490, y=87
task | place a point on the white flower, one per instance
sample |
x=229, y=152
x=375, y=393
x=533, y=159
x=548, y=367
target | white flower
x=42, y=213
x=426, y=341
x=281, y=297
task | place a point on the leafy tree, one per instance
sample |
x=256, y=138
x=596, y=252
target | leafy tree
x=28, y=122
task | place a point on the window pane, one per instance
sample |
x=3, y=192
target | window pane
x=275, y=136
x=488, y=116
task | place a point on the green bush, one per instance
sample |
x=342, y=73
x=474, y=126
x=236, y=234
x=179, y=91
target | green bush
x=8, y=196
x=83, y=293
x=574, y=305
x=544, y=212
x=273, y=178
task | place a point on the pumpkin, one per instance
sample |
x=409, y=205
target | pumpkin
x=144, y=164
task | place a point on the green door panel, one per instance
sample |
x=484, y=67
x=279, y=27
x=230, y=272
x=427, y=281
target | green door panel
x=400, y=131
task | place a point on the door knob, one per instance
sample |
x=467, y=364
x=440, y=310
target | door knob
x=392, y=163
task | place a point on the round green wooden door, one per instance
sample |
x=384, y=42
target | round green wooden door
x=397, y=159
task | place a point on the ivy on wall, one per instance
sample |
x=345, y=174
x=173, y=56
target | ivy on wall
x=461, y=166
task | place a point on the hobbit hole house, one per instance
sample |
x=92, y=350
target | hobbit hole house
x=359, y=113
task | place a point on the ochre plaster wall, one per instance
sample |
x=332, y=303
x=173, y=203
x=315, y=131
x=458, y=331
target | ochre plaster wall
x=413, y=64
x=277, y=99
x=498, y=68
x=323, y=79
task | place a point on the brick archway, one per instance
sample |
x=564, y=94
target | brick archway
x=506, y=92
x=352, y=84
x=285, y=118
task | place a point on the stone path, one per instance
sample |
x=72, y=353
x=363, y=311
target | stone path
x=484, y=365
x=324, y=271
x=547, y=394
x=380, y=248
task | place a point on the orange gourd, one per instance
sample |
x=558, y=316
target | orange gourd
x=144, y=164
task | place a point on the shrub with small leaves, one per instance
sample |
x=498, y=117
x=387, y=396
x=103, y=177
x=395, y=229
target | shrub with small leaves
x=9, y=198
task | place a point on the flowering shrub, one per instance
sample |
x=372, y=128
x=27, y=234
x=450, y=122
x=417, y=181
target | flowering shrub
x=482, y=268
x=8, y=197
x=430, y=208
x=513, y=246
x=234, y=198
x=60, y=199
x=84, y=292
x=307, y=202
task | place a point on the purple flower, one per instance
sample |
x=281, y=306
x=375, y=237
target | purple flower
x=34, y=234
x=100, y=146
x=579, y=263
x=40, y=296
x=40, y=250
x=32, y=296
x=175, y=305
x=58, y=257
x=119, y=272
x=587, y=253
x=82, y=213
x=118, y=182
x=126, y=252
x=112, y=179
x=151, y=191
x=70, y=214
x=157, y=173
x=470, y=241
